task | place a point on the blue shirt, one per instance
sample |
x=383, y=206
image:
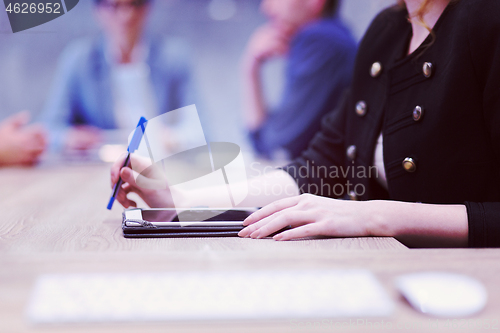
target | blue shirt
x=82, y=91
x=319, y=69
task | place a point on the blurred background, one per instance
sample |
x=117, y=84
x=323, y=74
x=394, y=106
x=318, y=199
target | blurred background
x=216, y=30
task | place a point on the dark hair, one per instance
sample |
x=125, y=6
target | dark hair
x=331, y=7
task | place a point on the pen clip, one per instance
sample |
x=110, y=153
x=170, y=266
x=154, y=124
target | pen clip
x=143, y=223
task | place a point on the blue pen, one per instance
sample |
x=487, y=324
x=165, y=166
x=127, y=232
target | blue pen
x=133, y=146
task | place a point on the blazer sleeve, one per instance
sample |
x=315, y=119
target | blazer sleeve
x=484, y=43
x=325, y=153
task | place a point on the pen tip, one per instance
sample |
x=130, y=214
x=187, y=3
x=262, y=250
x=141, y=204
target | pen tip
x=110, y=203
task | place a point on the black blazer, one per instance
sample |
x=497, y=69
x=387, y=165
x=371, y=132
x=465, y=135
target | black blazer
x=439, y=112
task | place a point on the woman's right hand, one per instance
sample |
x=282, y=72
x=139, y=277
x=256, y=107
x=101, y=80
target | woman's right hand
x=142, y=178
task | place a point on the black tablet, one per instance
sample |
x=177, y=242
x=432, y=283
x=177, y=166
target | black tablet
x=201, y=222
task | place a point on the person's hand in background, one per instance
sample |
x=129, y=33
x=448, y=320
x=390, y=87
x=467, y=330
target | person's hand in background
x=266, y=42
x=83, y=137
x=21, y=144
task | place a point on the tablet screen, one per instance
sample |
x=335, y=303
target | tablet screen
x=195, y=215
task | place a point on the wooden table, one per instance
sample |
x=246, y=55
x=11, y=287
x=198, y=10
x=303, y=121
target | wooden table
x=55, y=221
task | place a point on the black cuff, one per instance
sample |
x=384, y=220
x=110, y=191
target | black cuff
x=475, y=216
x=484, y=224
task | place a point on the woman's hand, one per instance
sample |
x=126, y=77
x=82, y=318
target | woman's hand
x=415, y=224
x=21, y=144
x=146, y=180
x=311, y=215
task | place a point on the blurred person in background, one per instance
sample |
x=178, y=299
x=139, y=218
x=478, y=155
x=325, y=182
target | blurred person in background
x=320, y=54
x=20, y=144
x=109, y=82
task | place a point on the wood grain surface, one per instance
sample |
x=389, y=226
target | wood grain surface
x=64, y=210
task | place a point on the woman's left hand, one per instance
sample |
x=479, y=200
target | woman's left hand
x=311, y=215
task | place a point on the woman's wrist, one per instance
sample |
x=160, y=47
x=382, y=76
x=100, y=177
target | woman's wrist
x=378, y=217
x=419, y=224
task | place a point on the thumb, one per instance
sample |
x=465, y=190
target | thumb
x=139, y=180
x=18, y=120
x=127, y=176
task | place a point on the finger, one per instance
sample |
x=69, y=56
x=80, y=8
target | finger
x=257, y=225
x=38, y=145
x=126, y=188
x=308, y=230
x=19, y=119
x=245, y=232
x=271, y=209
x=124, y=201
x=122, y=196
x=291, y=218
x=36, y=142
x=38, y=134
x=115, y=169
x=28, y=156
x=35, y=129
x=254, y=226
x=288, y=217
x=139, y=163
x=33, y=148
x=35, y=154
x=31, y=157
x=127, y=176
x=140, y=183
x=152, y=178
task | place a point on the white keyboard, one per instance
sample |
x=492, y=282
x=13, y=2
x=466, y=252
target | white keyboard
x=76, y=298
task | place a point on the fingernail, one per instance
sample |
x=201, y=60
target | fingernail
x=255, y=234
x=247, y=221
x=278, y=237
